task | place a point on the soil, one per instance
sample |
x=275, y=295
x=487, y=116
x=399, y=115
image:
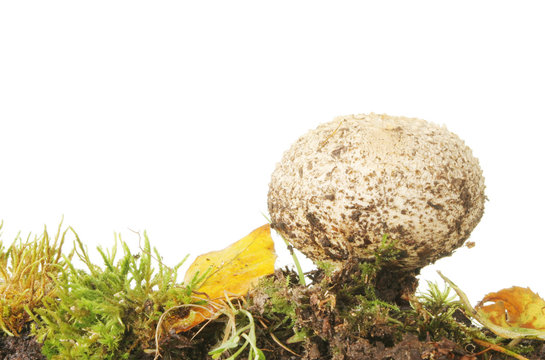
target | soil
x=181, y=347
x=23, y=347
x=337, y=340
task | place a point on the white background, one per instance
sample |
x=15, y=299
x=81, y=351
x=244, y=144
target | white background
x=170, y=117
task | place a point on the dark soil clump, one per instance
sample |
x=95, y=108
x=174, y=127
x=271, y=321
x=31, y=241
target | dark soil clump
x=333, y=311
x=22, y=347
x=356, y=314
x=191, y=345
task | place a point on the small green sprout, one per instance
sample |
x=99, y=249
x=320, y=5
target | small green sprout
x=234, y=333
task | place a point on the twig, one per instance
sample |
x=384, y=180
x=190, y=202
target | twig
x=283, y=346
x=498, y=348
x=276, y=339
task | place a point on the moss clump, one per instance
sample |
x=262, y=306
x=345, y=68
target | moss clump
x=439, y=315
x=108, y=312
x=28, y=269
x=275, y=301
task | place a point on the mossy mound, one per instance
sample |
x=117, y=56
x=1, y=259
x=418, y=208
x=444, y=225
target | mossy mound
x=115, y=310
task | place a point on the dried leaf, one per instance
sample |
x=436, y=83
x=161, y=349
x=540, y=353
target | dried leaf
x=236, y=268
x=514, y=307
x=196, y=315
x=231, y=271
x=516, y=312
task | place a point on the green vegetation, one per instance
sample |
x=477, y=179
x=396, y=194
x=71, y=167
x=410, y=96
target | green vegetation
x=108, y=312
x=357, y=301
x=28, y=271
x=234, y=331
x=327, y=267
x=437, y=309
x=278, y=308
x=133, y=307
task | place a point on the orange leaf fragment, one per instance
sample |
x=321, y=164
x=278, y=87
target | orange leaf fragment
x=515, y=307
x=231, y=271
x=195, y=316
x=512, y=308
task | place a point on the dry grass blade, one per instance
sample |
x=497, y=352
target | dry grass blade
x=495, y=347
x=323, y=143
x=283, y=346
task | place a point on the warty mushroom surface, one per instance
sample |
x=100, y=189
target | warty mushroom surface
x=345, y=184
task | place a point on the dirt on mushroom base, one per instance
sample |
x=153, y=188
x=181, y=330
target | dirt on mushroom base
x=335, y=316
x=339, y=319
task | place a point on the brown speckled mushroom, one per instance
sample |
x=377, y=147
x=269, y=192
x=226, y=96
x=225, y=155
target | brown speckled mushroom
x=344, y=185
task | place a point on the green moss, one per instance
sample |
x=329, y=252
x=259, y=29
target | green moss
x=386, y=253
x=108, y=312
x=28, y=269
x=279, y=308
x=327, y=267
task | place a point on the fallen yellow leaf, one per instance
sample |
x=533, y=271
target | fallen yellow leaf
x=231, y=271
x=237, y=267
x=514, y=307
x=515, y=313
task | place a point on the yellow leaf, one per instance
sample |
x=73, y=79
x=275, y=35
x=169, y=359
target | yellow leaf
x=515, y=313
x=237, y=267
x=514, y=307
x=231, y=271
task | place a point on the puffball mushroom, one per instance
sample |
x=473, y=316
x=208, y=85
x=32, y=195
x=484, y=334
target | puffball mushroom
x=343, y=186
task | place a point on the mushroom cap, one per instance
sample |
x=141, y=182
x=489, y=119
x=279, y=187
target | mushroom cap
x=344, y=185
